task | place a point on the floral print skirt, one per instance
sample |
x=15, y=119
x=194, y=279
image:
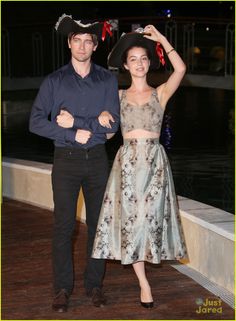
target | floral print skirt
x=139, y=218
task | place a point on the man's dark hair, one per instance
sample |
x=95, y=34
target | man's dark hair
x=94, y=37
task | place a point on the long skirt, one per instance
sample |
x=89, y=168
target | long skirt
x=139, y=218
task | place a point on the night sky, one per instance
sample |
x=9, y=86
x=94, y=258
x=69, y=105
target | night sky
x=37, y=12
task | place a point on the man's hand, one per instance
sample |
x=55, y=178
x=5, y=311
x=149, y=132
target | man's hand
x=104, y=119
x=65, y=119
x=82, y=136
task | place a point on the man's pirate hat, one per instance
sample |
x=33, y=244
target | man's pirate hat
x=66, y=25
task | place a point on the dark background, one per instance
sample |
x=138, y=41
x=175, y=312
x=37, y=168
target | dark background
x=197, y=129
x=35, y=12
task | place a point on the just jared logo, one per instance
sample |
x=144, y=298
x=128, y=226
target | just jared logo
x=209, y=306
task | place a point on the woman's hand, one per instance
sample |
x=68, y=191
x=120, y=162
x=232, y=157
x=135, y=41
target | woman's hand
x=155, y=35
x=65, y=119
x=104, y=119
x=110, y=135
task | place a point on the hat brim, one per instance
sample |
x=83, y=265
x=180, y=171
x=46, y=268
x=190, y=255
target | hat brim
x=132, y=39
x=67, y=25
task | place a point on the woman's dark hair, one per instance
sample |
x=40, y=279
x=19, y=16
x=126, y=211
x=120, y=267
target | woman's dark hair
x=125, y=53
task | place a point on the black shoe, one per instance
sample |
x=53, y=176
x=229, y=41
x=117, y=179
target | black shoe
x=147, y=305
x=60, y=301
x=97, y=296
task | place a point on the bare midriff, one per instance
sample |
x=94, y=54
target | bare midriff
x=140, y=133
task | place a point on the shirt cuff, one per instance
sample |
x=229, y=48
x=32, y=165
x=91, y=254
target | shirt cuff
x=70, y=135
x=78, y=123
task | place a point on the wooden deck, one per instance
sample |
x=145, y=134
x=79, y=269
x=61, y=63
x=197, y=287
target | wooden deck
x=26, y=278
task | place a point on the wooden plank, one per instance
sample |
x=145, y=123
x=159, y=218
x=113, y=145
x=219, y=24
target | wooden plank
x=26, y=278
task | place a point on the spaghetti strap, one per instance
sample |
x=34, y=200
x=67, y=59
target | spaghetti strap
x=123, y=95
x=154, y=93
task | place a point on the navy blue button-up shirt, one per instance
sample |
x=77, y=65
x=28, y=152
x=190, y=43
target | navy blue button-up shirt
x=84, y=98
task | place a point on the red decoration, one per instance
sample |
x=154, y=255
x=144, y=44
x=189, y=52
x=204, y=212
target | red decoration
x=160, y=53
x=106, y=28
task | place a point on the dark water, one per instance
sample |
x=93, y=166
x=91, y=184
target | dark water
x=197, y=133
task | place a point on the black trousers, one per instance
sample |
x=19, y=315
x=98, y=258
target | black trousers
x=73, y=169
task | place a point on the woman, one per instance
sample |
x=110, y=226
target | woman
x=139, y=219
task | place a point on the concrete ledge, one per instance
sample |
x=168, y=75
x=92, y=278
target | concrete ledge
x=211, y=218
x=30, y=182
x=27, y=181
x=209, y=234
x=209, y=231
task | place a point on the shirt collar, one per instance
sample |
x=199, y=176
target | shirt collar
x=72, y=70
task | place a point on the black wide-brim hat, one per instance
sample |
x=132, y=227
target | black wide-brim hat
x=129, y=40
x=66, y=25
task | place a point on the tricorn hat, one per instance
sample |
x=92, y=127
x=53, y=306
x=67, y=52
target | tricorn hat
x=66, y=25
x=130, y=40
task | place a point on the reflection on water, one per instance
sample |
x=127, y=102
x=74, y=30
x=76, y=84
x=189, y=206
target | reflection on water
x=197, y=135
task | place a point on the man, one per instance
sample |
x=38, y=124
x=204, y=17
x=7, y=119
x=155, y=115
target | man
x=66, y=110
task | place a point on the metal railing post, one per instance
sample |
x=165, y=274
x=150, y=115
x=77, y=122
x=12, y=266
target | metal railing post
x=37, y=51
x=57, y=50
x=229, y=49
x=6, y=61
x=171, y=34
x=188, y=45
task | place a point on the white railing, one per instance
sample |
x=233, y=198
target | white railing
x=206, y=46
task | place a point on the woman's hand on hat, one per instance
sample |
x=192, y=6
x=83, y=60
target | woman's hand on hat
x=104, y=119
x=155, y=35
